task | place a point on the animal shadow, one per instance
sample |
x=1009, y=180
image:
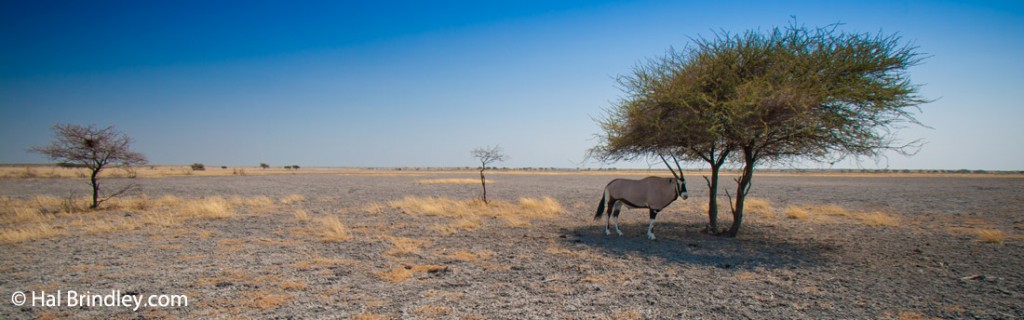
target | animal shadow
x=684, y=243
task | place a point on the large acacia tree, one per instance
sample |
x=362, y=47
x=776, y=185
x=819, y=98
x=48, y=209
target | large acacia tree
x=95, y=149
x=787, y=94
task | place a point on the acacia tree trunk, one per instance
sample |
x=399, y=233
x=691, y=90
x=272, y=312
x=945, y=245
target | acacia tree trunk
x=742, y=188
x=712, y=227
x=483, y=183
x=95, y=189
x=716, y=163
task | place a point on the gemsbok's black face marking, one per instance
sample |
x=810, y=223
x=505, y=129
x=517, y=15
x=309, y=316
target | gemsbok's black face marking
x=653, y=193
x=681, y=187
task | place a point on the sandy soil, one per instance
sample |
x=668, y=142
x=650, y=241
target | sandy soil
x=269, y=263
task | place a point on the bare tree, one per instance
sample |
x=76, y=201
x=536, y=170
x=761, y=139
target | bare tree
x=95, y=149
x=487, y=155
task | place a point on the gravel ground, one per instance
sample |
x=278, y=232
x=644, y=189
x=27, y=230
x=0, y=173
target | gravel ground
x=267, y=263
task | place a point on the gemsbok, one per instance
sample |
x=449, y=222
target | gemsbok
x=654, y=193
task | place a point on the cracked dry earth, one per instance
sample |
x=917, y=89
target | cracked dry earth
x=927, y=259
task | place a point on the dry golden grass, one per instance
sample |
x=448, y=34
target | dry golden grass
x=910, y=315
x=292, y=198
x=746, y=276
x=453, y=227
x=210, y=208
x=402, y=273
x=300, y=215
x=48, y=216
x=23, y=214
x=117, y=224
x=878, y=219
x=477, y=256
x=992, y=236
x=823, y=213
x=626, y=315
x=266, y=300
x=321, y=263
x=452, y=181
x=161, y=219
x=397, y=274
x=539, y=208
x=513, y=214
x=758, y=206
x=29, y=233
x=796, y=212
x=593, y=279
x=374, y=208
x=292, y=285
x=429, y=311
x=256, y=203
x=431, y=206
x=405, y=246
x=332, y=230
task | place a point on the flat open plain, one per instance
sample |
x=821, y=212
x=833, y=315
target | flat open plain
x=334, y=245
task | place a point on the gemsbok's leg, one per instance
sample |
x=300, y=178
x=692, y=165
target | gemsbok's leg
x=618, y=208
x=608, y=219
x=650, y=227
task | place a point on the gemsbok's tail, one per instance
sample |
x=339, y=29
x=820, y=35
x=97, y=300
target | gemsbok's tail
x=600, y=206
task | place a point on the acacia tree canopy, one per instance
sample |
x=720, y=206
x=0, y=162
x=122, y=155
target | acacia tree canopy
x=93, y=148
x=786, y=94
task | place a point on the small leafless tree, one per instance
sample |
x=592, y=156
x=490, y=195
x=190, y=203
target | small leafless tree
x=95, y=149
x=487, y=155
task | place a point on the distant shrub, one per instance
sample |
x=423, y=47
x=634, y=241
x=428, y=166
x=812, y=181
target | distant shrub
x=198, y=167
x=70, y=165
x=264, y=166
x=223, y=167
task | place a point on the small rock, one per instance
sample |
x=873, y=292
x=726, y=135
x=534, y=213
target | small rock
x=973, y=277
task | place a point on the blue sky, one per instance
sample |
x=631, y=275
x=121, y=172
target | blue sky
x=422, y=83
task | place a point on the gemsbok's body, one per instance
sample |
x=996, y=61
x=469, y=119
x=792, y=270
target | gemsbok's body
x=653, y=193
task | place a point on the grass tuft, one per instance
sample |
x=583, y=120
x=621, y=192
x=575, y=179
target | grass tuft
x=301, y=215
x=796, y=212
x=758, y=206
x=333, y=230
x=293, y=198
x=406, y=246
x=210, y=208
x=878, y=219
x=992, y=236
x=29, y=233
x=429, y=311
x=374, y=208
x=401, y=273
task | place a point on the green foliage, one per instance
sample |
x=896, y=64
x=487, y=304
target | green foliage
x=198, y=167
x=789, y=92
x=785, y=94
